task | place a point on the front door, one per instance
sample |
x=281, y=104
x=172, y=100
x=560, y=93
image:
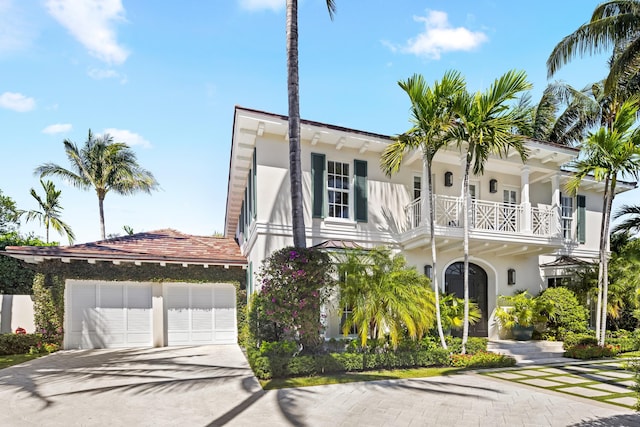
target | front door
x=454, y=284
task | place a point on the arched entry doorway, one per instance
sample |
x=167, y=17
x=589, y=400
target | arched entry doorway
x=454, y=284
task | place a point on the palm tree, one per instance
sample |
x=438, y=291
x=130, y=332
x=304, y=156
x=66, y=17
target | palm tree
x=485, y=125
x=431, y=116
x=614, y=25
x=608, y=153
x=385, y=296
x=50, y=209
x=293, y=83
x=103, y=165
x=632, y=223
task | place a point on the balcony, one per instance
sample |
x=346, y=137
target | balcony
x=487, y=219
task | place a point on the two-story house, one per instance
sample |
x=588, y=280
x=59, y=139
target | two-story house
x=524, y=226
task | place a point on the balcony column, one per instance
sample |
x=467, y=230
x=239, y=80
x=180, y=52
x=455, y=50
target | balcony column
x=527, y=226
x=555, y=203
x=424, y=195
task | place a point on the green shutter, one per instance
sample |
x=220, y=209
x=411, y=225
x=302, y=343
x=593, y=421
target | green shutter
x=318, y=183
x=582, y=204
x=255, y=188
x=241, y=219
x=360, y=197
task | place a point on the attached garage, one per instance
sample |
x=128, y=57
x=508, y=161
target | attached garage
x=108, y=314
x=149, y=289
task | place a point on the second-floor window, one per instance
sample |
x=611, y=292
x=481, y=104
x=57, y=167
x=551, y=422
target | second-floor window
x=338, y=189
x=566, y=216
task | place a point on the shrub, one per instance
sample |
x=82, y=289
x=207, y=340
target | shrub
x=48, y=307
x=567, y=314
x=481, y=359
x=590, y=351
x=18, y=343
x=572, y=339
x=474, y=344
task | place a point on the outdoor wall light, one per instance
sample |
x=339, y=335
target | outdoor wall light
x=448, y=179
x=511, y=276
x=493, y=185
x=427, y=270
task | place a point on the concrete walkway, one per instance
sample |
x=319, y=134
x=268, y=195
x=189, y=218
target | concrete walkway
x=213, y=386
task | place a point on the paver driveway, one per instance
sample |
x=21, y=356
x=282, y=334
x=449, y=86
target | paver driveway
x=212, y=385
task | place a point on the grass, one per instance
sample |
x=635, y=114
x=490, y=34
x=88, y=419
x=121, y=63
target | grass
x=15, y=359
x=350, y=377
x=628, y=354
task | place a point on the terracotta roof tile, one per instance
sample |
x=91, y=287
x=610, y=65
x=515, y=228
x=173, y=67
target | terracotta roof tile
x=165, y=245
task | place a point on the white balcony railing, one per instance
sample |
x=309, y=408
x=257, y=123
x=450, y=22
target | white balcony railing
x=490, y=216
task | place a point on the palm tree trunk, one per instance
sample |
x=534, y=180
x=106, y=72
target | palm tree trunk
x=465, y=233
x=101, y=210
x=604, y=260
x=295, y=169
x=603, y=251
x=434, y=269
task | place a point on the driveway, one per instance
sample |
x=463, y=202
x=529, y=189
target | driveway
x=213, y=386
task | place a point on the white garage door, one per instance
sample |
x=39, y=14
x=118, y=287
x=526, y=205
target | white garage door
x=201, y=313
x=108, y=314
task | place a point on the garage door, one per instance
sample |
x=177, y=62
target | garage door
x=108, y=314
x=202, y=313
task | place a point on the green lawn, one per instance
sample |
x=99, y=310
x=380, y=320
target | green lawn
x=349, y=377
x=15, y=359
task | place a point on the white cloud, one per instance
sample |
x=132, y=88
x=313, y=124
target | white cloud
x=57, y=128
x=439, y=36
x=15, y=33
x=92, y=23
x=128, y=137
x=262, y=4
x=100, y=74
x=17, y=102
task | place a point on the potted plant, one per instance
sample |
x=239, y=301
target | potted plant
x=520, y=313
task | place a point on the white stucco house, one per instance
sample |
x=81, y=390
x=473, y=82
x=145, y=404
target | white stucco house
x=524, y=225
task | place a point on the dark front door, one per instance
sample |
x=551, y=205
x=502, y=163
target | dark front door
x=454, y=284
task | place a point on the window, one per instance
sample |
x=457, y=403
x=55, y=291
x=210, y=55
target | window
x=566, y=214
x=337, y=194
x=554, y=282
x=510, y=197
x=417, y=187
x=338, y=189
x=345, y=314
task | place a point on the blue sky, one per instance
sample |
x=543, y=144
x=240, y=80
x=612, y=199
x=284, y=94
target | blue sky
x=165, y=78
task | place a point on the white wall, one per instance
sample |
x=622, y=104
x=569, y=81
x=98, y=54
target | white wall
x=16, y=311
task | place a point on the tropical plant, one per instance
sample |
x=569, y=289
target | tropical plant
x=568, y=314
x=452, y=312
x=49, y=212
x=614, y=26
x=522, y=309
x=103, y=165
x=385, y=296
x=631, y=224
x=431, y=117
x=293, y=86
x=9, y=214
x=608, y=153
x=295, y=284
x=485, y=124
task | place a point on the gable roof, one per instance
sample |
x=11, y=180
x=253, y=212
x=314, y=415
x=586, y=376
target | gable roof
x=160, y=246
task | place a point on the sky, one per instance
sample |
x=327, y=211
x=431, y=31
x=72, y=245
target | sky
x=164, y=77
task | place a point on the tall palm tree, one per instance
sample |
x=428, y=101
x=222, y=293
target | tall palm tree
x=50, y=210
x=385, y=296
x=431, y=116
x=293, y=89
x=631, y=224
x=103, y=165
x=615, y=26
x=608, y=153
x=485, y=124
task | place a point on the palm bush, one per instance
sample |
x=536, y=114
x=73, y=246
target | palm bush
x=523, y=310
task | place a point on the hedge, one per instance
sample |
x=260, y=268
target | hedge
x=18, y=343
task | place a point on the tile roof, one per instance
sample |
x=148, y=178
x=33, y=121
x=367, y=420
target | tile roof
x=165, y=245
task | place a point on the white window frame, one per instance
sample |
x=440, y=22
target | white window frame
x=340, y=190
x=567, y=221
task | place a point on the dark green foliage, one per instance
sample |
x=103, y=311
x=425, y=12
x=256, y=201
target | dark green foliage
x=568, y=314
x=16, y=277
x=48, y=307
x=474, y=344
x=482, y=359
x=572, y=339
x=9, y=216
x=18, y=343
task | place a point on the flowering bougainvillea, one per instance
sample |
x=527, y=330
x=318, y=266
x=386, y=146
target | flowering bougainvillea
x=294, y=285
